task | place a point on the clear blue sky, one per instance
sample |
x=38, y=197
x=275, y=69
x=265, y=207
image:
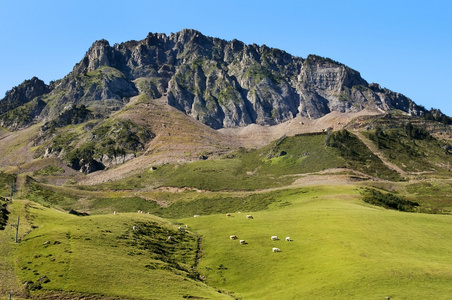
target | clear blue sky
x=405, y=46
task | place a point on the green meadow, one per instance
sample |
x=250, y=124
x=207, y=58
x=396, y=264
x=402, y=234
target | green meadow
x=340, y=248
x=103, y=255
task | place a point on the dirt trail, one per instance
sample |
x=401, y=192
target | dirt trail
x=372, y=147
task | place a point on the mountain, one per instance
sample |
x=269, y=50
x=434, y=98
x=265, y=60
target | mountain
x=220, y=83
x=120, y=101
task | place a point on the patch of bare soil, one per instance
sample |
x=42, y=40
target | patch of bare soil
x=16, y=146
x=331, y=177
x=253, y=136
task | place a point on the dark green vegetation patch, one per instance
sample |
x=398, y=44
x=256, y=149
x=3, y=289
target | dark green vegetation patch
x=49, y=196
x=5, y=184
x=412, y=148
x=3, y=213
x=24, y=115
x=168, y=249
x=113, y=139
x=388, y=200
x=49, y=170
x=358, y=156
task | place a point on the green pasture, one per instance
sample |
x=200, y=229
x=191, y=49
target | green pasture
x=340, y=248
x=103, y=255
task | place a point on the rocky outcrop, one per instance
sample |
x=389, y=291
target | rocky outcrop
x=112, y=160
x=22, y=94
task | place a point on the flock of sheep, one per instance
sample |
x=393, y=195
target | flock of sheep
x=273, y=237
x=232, y=237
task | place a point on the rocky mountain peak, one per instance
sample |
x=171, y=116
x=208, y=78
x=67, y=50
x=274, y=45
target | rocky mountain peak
x=99, y=54
x=220, y=83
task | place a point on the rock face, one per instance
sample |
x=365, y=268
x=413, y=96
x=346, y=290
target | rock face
x=22, y=94
x=220, y=83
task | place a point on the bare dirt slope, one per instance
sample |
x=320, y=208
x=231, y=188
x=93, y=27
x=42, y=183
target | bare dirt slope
x=178, y=138
x=15, y=147
x=257, y=136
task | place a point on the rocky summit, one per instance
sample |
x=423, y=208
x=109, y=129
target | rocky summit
x=221, y=83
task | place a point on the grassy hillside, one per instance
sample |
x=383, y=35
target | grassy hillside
x=413, y=148
x=5, y=184
x=274, y=165
x=341, y=248
x=104, y=255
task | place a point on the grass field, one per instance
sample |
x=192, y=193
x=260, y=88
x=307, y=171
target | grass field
x=103, y=255
x=341, y=248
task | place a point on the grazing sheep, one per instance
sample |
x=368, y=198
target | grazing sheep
x=170, y=238
x=275, y=238
x=288, y=239
x=228, y=215
x=276, y=250
x=249, y=217
x=135, y=227
x=242, y=242
x=181, y=228
x=195, y=216
x=233, y=237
